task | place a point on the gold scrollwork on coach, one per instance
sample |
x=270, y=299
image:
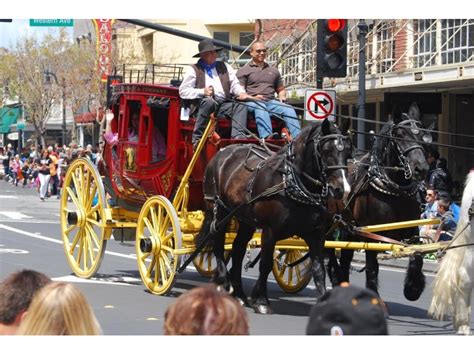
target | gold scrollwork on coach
x=130, y=159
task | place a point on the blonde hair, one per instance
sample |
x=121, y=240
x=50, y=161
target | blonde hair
x=59, y=308
x=206, y=311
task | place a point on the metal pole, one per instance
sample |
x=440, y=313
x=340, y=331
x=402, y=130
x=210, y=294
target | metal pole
x=363, y=29
x=64, y=111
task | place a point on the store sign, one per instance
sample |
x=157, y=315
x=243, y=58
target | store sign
x=12, y=136
x=104, y=46
x=51, y=22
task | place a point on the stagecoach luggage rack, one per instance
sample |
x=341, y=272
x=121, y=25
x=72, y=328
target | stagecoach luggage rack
x=150, y=73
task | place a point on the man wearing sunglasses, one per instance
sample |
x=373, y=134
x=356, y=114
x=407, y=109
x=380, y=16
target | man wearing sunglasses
x=262, y=81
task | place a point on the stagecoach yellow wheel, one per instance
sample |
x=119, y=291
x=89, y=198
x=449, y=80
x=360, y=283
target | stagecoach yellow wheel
x=291, y=279
x=205, y=262
x=83, y=225
x=158, y=237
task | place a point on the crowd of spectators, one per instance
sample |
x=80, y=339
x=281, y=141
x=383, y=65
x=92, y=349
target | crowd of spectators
x=43, y=169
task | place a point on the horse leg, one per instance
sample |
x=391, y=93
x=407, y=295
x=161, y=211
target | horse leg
x=334, y=270
x=462, y=302
x=316, y=250
x=239, y=248
x=221, y=276
x=415, y=279
x=371, y=271
x=260, y=302
x=345, y=264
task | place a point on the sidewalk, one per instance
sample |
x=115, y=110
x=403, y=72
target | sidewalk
x=401, y=263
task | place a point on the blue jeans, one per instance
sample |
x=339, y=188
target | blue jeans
x=262, y=111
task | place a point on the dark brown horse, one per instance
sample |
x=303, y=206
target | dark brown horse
x=284, y=194
x=384, y=188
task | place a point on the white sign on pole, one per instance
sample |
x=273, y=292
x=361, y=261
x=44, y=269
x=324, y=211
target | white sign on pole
x=319, y=104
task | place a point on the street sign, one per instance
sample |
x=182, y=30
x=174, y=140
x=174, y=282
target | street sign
x=319, y=104
x=52, y=22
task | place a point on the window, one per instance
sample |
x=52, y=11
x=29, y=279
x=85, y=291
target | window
x=225, y=37
x=425, y=43
x=457, y=37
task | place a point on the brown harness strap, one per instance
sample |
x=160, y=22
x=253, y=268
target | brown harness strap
x=377, y=237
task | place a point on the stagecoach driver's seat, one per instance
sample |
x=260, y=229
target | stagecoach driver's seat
x=211, y=85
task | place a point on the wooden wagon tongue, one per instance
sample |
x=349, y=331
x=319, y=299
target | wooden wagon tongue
x=377, y=237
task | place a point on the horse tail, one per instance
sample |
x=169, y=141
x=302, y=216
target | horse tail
x=452, y=270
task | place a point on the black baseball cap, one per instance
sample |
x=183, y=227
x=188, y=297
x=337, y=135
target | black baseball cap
x=348, y=310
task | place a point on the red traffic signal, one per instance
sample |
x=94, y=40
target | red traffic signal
x=331, y=56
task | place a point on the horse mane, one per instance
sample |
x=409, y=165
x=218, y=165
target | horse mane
x=445, y=286
x=381, y=142
x=300, y=142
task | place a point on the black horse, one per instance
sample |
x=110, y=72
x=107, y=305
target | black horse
x=284, y=194
x=385, y=187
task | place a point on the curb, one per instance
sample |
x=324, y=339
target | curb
x=430, y=266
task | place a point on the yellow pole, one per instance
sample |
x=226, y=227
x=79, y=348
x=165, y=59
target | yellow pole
x=182, y=188
x=399, y=225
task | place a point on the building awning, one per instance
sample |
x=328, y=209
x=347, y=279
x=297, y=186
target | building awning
x=87, y=117
x=9, y=115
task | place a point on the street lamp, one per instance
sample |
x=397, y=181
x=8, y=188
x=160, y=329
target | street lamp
x=48, y=74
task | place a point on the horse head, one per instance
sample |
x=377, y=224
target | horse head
x=325, y=149
x=408, y=127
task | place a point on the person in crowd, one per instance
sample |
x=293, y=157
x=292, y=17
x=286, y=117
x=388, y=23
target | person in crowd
x=3, y=159
x=263, y=81
x=210, y=86
x=15, y=168
x=16, y=293
x=44, y=173
x=60, y=308
x=453, y=207
x=206, y=311
x=348, y=310
x=431, y=158
x=440, y=178
x=430, y=210
x=53, y=169
x=111, y=137
x=445, y=230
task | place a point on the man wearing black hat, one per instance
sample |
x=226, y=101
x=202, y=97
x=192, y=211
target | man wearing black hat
x=210, y=84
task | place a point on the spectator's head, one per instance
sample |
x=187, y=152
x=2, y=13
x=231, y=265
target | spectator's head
x=206, y=311
x=348, y=310
x=16, y=293
x=431, y=195
x=60, y=308
x=443, y=205
x=442, y=163
x=432, y=156
x=207, y=51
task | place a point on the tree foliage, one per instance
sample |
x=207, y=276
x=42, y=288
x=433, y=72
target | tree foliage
x=23, y=71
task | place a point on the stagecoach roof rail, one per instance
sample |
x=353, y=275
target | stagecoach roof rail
x=150, y=73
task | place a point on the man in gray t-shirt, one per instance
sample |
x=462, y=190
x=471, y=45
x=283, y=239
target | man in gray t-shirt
x=262, y=82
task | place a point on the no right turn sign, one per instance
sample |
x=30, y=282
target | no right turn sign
x=319, y=104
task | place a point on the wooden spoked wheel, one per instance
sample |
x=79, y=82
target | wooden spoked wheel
x=291, y=279
x=158, y=237
x=205, y=262
x=83, y=225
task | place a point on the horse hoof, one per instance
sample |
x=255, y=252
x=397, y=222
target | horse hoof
x=464, y=330
x=243, y=302
x=412, y=294
x=262, y=309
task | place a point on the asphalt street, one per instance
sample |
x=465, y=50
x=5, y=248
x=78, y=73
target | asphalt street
x=30, y=238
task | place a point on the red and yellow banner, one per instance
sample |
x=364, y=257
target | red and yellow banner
x=104, y=46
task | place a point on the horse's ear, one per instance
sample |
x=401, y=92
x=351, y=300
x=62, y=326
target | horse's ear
x=397, y=114
x=326, y=127
x=345, y=124
x=414, y=112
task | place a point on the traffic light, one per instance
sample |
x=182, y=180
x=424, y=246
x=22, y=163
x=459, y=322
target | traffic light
x=331, y=54
x=112, y=80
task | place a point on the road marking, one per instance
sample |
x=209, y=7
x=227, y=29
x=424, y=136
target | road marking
x=8, y=196
x=14, y=215
x=107, y=281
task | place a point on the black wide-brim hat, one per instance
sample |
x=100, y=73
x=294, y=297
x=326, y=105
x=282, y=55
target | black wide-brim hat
x=206, y=45
x=348, y=310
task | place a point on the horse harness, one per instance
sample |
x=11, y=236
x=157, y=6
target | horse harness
x=291, y=182
x=377, y=175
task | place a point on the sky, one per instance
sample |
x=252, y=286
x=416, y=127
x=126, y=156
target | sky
x=10, y=32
